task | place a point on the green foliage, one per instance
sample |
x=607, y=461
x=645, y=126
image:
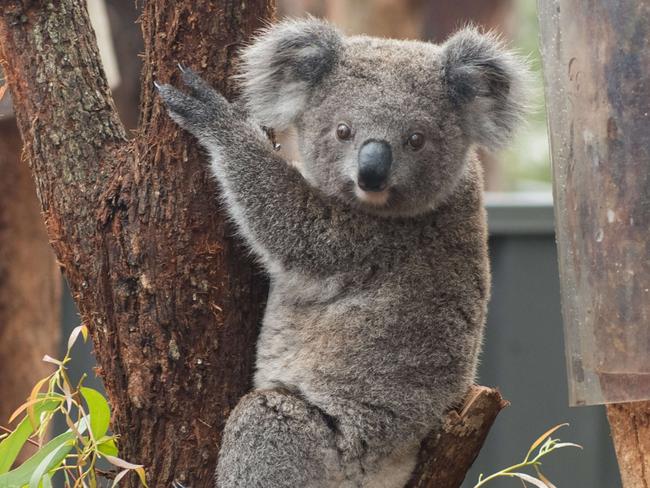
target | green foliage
x=544, y=446
x=74, y=453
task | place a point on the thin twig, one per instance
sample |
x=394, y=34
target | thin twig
x=9, y=431
x=110, y=475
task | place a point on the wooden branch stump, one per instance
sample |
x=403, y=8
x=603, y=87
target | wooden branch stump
x=445, y=457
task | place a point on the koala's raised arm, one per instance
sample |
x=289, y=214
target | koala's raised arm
x=283, y=219
x=280, y=216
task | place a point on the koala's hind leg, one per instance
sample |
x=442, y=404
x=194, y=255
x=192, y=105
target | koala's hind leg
x=274, y=439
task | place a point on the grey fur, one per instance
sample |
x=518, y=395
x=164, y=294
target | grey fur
x=376, y=311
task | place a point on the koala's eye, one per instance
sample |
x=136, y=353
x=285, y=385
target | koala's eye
x=343, y=132
x=416, y=140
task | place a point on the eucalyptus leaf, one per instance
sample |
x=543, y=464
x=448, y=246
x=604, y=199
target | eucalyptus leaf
x=107, y=446
x=100, y=412
x=47, y=481
x=543, y=437
x=49, y=462
x=531, y=479
x=21, y=476
x=10, y=446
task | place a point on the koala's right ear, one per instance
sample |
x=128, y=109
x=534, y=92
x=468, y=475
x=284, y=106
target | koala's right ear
x=283, y=64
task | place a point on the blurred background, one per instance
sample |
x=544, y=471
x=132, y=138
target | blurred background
x=523, y=352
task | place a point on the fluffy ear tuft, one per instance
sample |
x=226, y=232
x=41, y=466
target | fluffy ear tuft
x=488, y=83
x=283, y=64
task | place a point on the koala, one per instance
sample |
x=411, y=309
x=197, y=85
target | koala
x=375, y=246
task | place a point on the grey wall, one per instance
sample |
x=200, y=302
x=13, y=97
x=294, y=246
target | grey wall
x=523, y=355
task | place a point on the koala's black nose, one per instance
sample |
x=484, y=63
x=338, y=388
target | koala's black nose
x=375, y=159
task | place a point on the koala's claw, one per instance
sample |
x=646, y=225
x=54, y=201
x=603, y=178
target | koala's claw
x=199, y=88
x=186, y=111
x=202, y=110
x=175, y=100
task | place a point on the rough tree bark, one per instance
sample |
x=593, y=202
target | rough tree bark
x=171, y=300
x=30, y=280
x=446, y=456
x=630, y=425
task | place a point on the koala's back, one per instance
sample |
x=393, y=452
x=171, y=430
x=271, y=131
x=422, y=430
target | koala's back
x=392, y=340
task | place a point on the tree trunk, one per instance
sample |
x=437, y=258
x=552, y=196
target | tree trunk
x=599, y=108
x=30, y=282
x=172, y=303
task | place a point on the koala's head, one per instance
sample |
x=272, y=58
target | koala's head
x=383, y=124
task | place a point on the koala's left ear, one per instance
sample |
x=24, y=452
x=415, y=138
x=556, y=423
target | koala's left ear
x=487, y=83
x=284, y=63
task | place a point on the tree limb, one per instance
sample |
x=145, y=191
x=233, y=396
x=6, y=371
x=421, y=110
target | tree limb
x=445, y=457
x=66, y=116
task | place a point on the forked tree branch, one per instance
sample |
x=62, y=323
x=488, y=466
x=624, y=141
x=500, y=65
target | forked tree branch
x=171, y=300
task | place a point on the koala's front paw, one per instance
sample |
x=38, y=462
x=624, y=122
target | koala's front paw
x=202, y=111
